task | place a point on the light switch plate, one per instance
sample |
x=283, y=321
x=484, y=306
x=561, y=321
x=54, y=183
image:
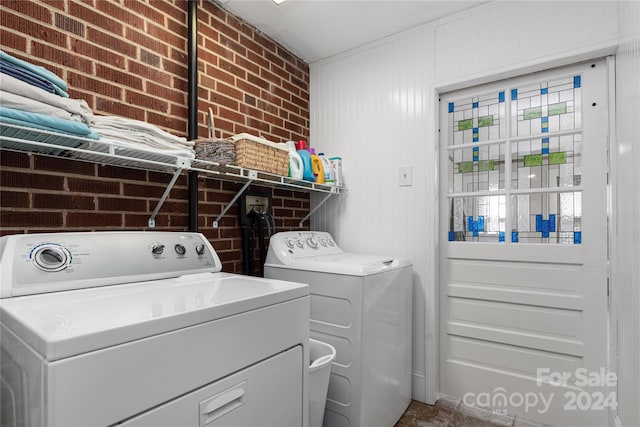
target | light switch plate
x=404, y=177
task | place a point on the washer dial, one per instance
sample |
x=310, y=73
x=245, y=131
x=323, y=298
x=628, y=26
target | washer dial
x=50, y=257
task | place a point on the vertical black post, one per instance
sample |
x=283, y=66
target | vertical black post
x=192, y=104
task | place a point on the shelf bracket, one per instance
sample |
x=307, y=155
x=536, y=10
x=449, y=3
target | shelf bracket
x=152, y=219
x=315, y=209
x=252, y=175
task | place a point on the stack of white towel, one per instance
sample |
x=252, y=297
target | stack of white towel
x=129, y=133
x=34, y=97
x=24, y=101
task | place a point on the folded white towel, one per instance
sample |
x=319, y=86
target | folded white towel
x=18, y=102
x=175, y=150
x=137, y=131
x=73, y=106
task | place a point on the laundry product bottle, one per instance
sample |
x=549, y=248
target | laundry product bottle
x=295, y=161
x=336, y=162
x=307, y=169
x=318, y=169
x=328, y=169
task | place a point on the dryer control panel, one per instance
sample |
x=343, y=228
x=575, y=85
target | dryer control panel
x=39, y=263
x=290, y=245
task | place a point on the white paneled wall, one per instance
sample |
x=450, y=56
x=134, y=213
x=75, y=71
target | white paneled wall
x=376, y=108
x=626, y=180
x=372, y=109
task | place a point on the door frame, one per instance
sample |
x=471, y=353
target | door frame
x=441, y=87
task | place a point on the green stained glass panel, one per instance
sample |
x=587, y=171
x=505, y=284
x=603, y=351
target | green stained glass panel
x=485, y=165
x=533, y=160
x=532, y=113
x=557, y=109
x=465, y=167
x=485, y=121
x=558, y=158
x=465, y=124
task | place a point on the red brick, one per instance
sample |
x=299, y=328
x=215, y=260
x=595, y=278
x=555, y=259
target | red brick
x=231, y=68
x=83, y=81
x=69, y=24
x=142, y=9
x=148, y=72
x=31, y=180
x=62, y=201
x=14, y=159
x=103, y=39
x=66, y=166
x=14, y=199
x=177, y=13
x=137, y=98
x=118, y=108
x=98, y=19
x=12, y=40
x=93, y=186
x=253, y=84
x=122, y=204
x=30, y=219
x=28, y=8
x=76, y=219
x=118, y=76
x=121, y=173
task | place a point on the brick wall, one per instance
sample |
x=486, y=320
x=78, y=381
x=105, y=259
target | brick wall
x=128, y=58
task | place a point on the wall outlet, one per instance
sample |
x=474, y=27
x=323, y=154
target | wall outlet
x=404, y=177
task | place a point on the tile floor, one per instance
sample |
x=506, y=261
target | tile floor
x=423, y=415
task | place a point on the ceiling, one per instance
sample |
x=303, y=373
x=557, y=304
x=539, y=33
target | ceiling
x=318, y=29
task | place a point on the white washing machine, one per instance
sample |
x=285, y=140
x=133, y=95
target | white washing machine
x=142, y=329
x=361, y=305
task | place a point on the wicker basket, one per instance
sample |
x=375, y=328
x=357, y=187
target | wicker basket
x=263, y=156
x=215, y=150
x=244, y=150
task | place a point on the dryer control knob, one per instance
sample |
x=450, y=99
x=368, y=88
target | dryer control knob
x=200, y=249
x=51, y=257
x=180, y=249
x=290, y=243
x=157, y=249
x=323, y=242
x=312, y=242
x=330, y=242
x=300, y=243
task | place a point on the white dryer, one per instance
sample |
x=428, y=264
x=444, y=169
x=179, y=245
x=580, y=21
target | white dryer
x=361, y=305
x=142, y=329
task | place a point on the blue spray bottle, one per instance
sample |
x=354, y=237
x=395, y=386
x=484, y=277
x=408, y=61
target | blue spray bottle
x=307, y=173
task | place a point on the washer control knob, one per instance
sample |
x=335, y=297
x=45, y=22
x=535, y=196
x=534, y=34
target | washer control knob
x=180, y=249
x=312, y=242
x=330, y=242
x=300, y=243
x=290, y=243
x=51, y=257
x=323, y=242
x=157, y=249
x=200, y=249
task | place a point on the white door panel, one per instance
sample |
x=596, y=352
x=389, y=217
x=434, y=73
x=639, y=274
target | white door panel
x=523, y=264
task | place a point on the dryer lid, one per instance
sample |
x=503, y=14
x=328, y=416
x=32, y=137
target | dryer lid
x=63, y=324
x=351, y=264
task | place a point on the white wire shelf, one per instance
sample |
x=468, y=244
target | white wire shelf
x=36, y=141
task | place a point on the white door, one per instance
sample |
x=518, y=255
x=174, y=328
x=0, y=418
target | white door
x=523, y=258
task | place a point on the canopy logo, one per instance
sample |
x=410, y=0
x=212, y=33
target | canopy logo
x=584, y=390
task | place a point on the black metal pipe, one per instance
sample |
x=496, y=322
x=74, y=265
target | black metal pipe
x=192, y=104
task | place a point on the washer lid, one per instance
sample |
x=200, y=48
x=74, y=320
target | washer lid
x=351, y=264
x=64, y=324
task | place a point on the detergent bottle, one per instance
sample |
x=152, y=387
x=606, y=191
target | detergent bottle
x=316, y=164
x=328, y=169
x=307, y=169
x=295, y=161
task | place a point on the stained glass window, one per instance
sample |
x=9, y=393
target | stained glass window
x=535, y=130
